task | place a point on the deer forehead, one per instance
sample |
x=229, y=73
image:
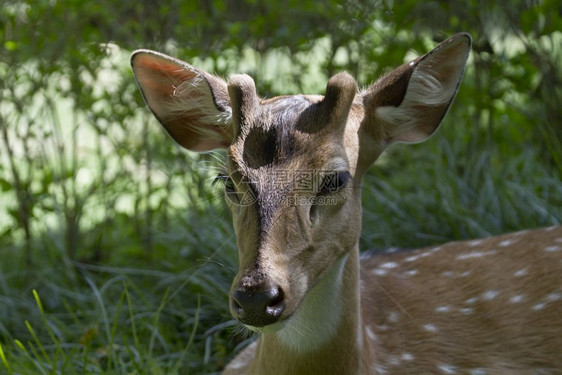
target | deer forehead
x=284, y=129
x=286, y=134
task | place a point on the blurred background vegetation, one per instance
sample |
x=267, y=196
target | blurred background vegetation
x=116, y=253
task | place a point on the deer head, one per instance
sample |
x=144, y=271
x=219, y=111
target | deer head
x=295, y=163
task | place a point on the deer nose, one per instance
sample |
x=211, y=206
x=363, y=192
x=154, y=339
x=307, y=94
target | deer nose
x=258, y=306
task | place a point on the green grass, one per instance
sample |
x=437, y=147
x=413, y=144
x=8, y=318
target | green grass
x=160, y=315
x=443, y=190
x=122, y=336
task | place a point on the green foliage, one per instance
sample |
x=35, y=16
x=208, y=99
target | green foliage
x=116, y=254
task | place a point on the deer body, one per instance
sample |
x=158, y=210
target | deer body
x=295, y=166
x=472, y=307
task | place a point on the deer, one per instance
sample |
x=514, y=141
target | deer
x=293, y=183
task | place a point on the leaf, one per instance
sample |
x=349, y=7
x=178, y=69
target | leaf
x=10, y=45
x=5, y=185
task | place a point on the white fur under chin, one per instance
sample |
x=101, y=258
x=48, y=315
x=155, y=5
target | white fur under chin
x=317, y=319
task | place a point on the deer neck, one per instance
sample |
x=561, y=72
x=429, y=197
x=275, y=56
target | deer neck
x=325, y=334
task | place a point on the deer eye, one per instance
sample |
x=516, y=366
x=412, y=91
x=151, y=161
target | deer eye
x=229, y=186
x=333, y=182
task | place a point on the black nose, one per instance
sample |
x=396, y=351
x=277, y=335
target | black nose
x=258, y=306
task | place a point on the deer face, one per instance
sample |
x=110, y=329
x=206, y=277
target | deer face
x=294, y=193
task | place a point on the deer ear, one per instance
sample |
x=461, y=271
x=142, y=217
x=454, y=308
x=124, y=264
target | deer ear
x=193, y=106
x=408, y=104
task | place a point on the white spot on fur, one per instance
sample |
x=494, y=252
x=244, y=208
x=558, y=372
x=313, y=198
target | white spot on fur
x=380, y=369
x=389, y=265
x=521, y=272
x=539, y=306
x=379, y=272
x=443, y=309
x=466, y=311
x=554, y=297
x=516, y=299
x=447, y=369
x=412, y=258
x=430, y=328
x=552, y=248
x=393, y=317
x=411, y=273
x=391, y=250
x=448, y=274
x=476, y=254
x=477, y=371
x=472, y=300
x=435, y=249
x=506, y=243
x=475, y=243
x=370, y=334
x=381, y=327
x=407, y=357
x=466, y=274
x=490, y=295
x=394, y=361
